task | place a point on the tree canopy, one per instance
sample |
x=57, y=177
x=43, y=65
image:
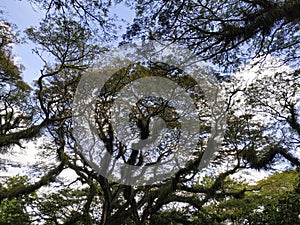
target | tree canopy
x=262, y=131
x=227, y=32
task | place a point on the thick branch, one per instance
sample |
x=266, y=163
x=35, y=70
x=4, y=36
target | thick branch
x=27, y=189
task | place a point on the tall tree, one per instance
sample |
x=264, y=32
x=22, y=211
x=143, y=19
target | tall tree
x=218, y=30
x=16, y=110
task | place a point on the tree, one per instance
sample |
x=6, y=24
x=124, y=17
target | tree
x=91, y=14
x=273, y=200
x=14, y=210
x=227, y=32
x=16, y=112
x=280, y=107
x=67, y=44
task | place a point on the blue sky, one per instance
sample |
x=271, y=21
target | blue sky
x=22, y=14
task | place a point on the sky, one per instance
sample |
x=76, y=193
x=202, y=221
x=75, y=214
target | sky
x=23, y=15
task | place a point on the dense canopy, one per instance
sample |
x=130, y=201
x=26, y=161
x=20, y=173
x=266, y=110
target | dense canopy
x=262, y=132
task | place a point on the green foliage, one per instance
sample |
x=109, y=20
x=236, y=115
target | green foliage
x=16, y=110
x=14, y=211
x=273, y=200
x=65, y=205
x=281, y=211
x=10, y=73
x=70, y=39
